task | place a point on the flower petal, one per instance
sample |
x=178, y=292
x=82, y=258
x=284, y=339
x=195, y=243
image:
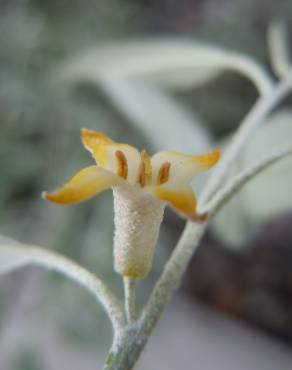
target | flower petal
x=85, y=184
x=105, y=151
x=182, y=167
x=181, y=198
x=96, y=143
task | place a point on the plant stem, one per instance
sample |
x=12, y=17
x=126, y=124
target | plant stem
x=133, y=339
x=130, y=299
x=172, y=274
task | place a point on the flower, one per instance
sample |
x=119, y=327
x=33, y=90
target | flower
x=142, y=187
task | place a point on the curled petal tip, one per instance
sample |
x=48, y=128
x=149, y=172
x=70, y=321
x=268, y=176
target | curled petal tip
x=51, y=197
x=92, y=138
x=216, y=155
x=85, y=131
x=208, y=160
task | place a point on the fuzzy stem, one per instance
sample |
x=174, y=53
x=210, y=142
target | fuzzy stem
x=172, y=274
x=133, y=339
x=130, y=299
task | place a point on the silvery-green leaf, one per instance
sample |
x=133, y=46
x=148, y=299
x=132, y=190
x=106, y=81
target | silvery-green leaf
x=20, y=43
x=269, y=194
x=231, y=224
x=167, y=62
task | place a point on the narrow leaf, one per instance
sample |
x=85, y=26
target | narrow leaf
x=14, y=255
x=167, y=62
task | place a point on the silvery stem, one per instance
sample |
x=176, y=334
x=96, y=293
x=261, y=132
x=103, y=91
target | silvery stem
x=130, y=299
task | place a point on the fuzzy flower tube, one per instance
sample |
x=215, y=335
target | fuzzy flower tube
x=142, y=187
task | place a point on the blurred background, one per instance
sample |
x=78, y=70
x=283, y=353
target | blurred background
x=66, y=65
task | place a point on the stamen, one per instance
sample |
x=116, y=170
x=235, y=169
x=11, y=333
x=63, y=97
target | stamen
x=122, y=164
x=145, y=168
x=141, y=174
x=147, y=162
x=163, y=174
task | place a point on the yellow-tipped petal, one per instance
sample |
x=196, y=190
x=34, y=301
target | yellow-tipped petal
x=91, y=139
x=181, y=198
x=183, y=167
x=104, y=151
x=97, y=144
x=85, y=184
x=206, y=161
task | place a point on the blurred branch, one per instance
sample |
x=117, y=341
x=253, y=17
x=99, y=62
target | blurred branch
x=15, y=255
x=251, y=69
x=234, y=185
x=279, y=51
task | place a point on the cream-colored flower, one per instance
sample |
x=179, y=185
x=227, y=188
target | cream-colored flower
x=142, y=187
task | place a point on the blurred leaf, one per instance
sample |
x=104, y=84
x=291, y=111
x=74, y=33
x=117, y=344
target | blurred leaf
x=97, y=250
x=231, y=225
x=267, y=195
x=28, y=359
x=24, y=28
x=162, y=121
x=172, y=63
x=20, y=168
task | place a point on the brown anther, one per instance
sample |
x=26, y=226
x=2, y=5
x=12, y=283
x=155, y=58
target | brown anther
x=147, y=162
x=122, y=164
x=141, y=174
x=145, y=169
x=163, y=174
